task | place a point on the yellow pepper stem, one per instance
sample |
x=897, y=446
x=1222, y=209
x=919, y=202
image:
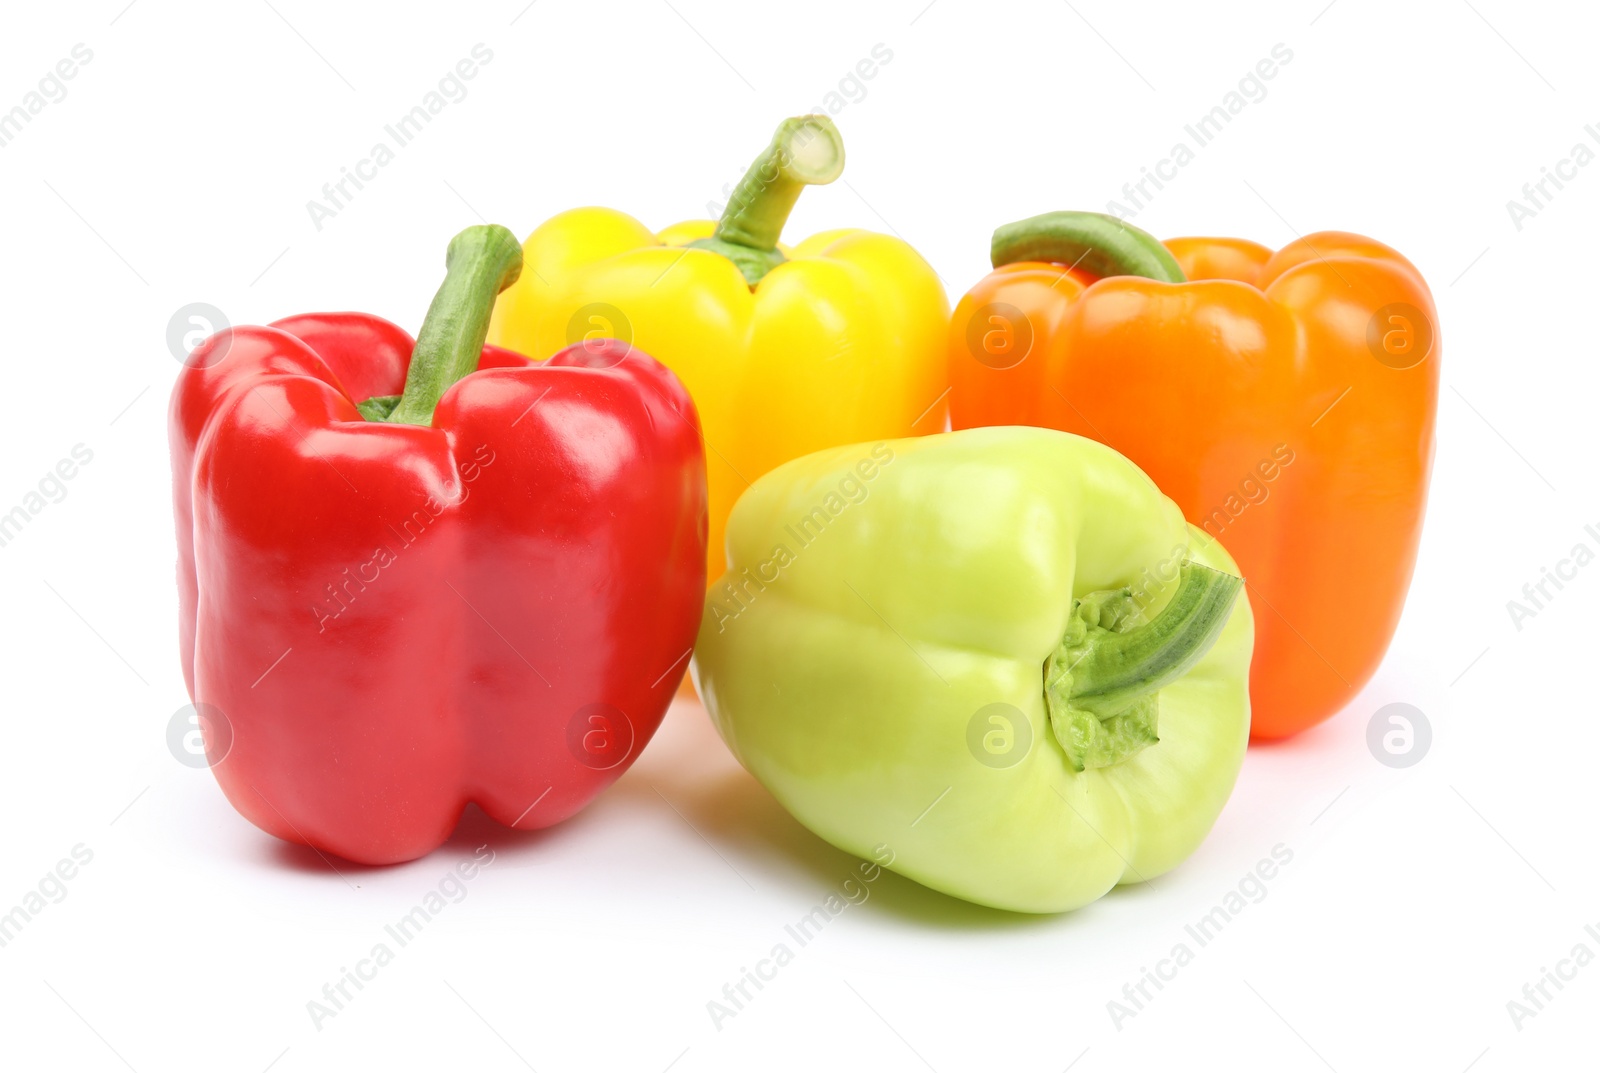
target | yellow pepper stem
x=805, y=151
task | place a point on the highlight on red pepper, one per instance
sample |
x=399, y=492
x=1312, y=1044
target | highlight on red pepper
x=1285, y=400
x=418, y=575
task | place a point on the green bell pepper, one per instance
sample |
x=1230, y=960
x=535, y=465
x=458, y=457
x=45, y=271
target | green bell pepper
x=999, y=654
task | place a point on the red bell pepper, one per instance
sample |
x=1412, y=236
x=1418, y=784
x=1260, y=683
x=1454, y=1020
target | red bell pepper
x=487, y=595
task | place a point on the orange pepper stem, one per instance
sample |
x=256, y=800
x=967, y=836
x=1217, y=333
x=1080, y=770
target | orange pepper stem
x=805, y=151
x=1099, y=244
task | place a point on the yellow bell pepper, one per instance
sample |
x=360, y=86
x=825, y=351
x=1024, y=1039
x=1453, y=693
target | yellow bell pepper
x=785, y=351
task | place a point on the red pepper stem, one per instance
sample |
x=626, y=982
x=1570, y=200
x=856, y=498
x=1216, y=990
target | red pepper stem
x=481, y=262
x=806, y=151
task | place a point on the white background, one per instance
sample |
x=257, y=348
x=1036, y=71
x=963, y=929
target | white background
x=1419, y=901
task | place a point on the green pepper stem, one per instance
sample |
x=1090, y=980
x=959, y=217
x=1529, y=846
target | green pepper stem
x=1101, y=683
x=806, y=151
x=481, y=262
x=1100, y=244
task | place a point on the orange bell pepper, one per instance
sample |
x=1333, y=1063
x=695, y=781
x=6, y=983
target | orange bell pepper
x=1284, y=400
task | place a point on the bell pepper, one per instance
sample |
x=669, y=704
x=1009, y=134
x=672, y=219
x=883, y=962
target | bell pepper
x=785, y=351
x=997, y=658
x=1285, y=400
x=411, y=575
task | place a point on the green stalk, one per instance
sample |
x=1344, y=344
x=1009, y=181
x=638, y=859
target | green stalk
x=805, y=151
x=481, y=262
x=1102, y=682
x=1099, y=244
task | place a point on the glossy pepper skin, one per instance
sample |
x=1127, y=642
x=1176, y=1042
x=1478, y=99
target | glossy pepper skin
x=385, y=621
x=1285, y=400
x=996, y=657
x=785, y=350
